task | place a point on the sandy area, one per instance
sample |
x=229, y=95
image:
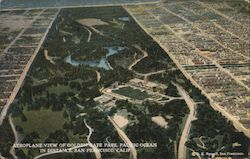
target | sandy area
x=159, y=120
x=120, y=120
x=91, y=22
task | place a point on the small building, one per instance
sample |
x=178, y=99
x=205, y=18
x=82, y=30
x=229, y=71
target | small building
x=144, y=83
x=103, y=99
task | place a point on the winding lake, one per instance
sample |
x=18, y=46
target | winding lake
x=101, y=63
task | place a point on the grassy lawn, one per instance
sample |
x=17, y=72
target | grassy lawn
x=59, y=89
x=132, y=93
x=43, y=121
x=77, y=138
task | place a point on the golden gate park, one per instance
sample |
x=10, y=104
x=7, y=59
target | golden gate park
x=125, y=79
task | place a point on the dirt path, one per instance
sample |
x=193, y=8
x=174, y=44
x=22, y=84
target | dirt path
x=97, y=31
x=202, y=143
x=1, y=157
x=47, y=57
x=196, y=154
x=65, y=32
x=95, y=149
x=109, y=66
x=182, y=149
x=90, y=34
x=151, y=73
x=124, y=137
x=90, y=23
x=145, y=54
x=98, y=76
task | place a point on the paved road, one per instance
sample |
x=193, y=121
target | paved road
x=98, y=156
x=219, y=13
x=215, y=62
x=26, y=69
x=95, y=149
x=182, y=150
x=1, y=157
x=215, y=105
x=145, y=54
x=124, y=137
x=12, y=150
x=204, y=33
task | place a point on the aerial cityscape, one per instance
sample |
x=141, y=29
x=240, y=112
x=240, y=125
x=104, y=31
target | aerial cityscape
x=124, y=79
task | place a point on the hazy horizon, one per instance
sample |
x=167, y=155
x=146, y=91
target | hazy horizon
x=15, y=4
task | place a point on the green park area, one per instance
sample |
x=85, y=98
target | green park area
x=88, y=52
x=132, y=93
x=43, y=121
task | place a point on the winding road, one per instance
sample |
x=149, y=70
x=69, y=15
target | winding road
x=95, y=149
x=124, y=137
x=47, y=57
x=145, y=54
x=90, y=34
x=203, y=146
x=98, y=76
x=182, y=149
x=1, y=157
x=194, y=153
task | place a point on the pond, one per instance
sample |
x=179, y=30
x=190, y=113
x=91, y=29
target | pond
x=100, y=63
x=125, y=19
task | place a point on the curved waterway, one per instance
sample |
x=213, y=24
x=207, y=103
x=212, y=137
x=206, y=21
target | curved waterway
x=101, y=63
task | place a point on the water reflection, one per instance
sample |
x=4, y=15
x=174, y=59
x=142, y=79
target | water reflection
x=125, y=19
x=101, y=63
